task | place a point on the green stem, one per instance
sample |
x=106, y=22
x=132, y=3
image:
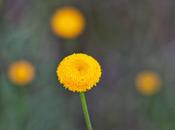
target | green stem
x=85, y=110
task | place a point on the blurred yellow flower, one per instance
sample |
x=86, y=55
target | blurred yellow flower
x=21, y=72
x=68, y=22
x=148, y=82
x=79, y=72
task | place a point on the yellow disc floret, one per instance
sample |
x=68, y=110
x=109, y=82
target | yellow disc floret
x=68, y=22
x=79, y=72
x=21, y=72
x=148, y=82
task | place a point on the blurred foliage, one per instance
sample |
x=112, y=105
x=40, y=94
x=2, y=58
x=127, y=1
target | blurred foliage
x=126, y=36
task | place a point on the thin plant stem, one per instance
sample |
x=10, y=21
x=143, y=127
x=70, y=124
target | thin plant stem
x=85, y=110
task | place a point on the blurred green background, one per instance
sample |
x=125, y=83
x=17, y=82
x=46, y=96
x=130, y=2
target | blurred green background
x=126, y=36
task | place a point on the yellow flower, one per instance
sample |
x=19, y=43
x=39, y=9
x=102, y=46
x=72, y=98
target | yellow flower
x=79, y=72
x=21, y=72
x=148, y=82
x=68, y=22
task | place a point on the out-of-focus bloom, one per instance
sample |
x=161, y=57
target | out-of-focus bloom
x=68, y=22
x=21, y=72
x=148, y=82
x=79, y=72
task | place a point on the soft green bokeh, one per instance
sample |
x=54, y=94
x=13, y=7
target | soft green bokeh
x=125, y=36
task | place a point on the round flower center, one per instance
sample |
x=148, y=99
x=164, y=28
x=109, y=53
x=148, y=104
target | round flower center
x=81, y=66
x=79, y=72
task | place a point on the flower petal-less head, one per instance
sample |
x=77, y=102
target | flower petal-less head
x=79, y=72
x=21, y=72
x=148, y=82
x=68, y=22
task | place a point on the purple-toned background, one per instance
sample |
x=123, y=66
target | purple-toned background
x=126, y=37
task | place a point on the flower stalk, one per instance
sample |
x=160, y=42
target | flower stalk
x=85, y=110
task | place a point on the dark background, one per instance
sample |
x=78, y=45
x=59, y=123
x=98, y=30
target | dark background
x=126, y=36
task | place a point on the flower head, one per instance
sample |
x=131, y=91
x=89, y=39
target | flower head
x=148, y=82
x=79, y=72
x=68, y=22
x=21, y=72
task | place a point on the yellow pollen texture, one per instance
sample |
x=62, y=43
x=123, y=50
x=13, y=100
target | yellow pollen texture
x=79, y=72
